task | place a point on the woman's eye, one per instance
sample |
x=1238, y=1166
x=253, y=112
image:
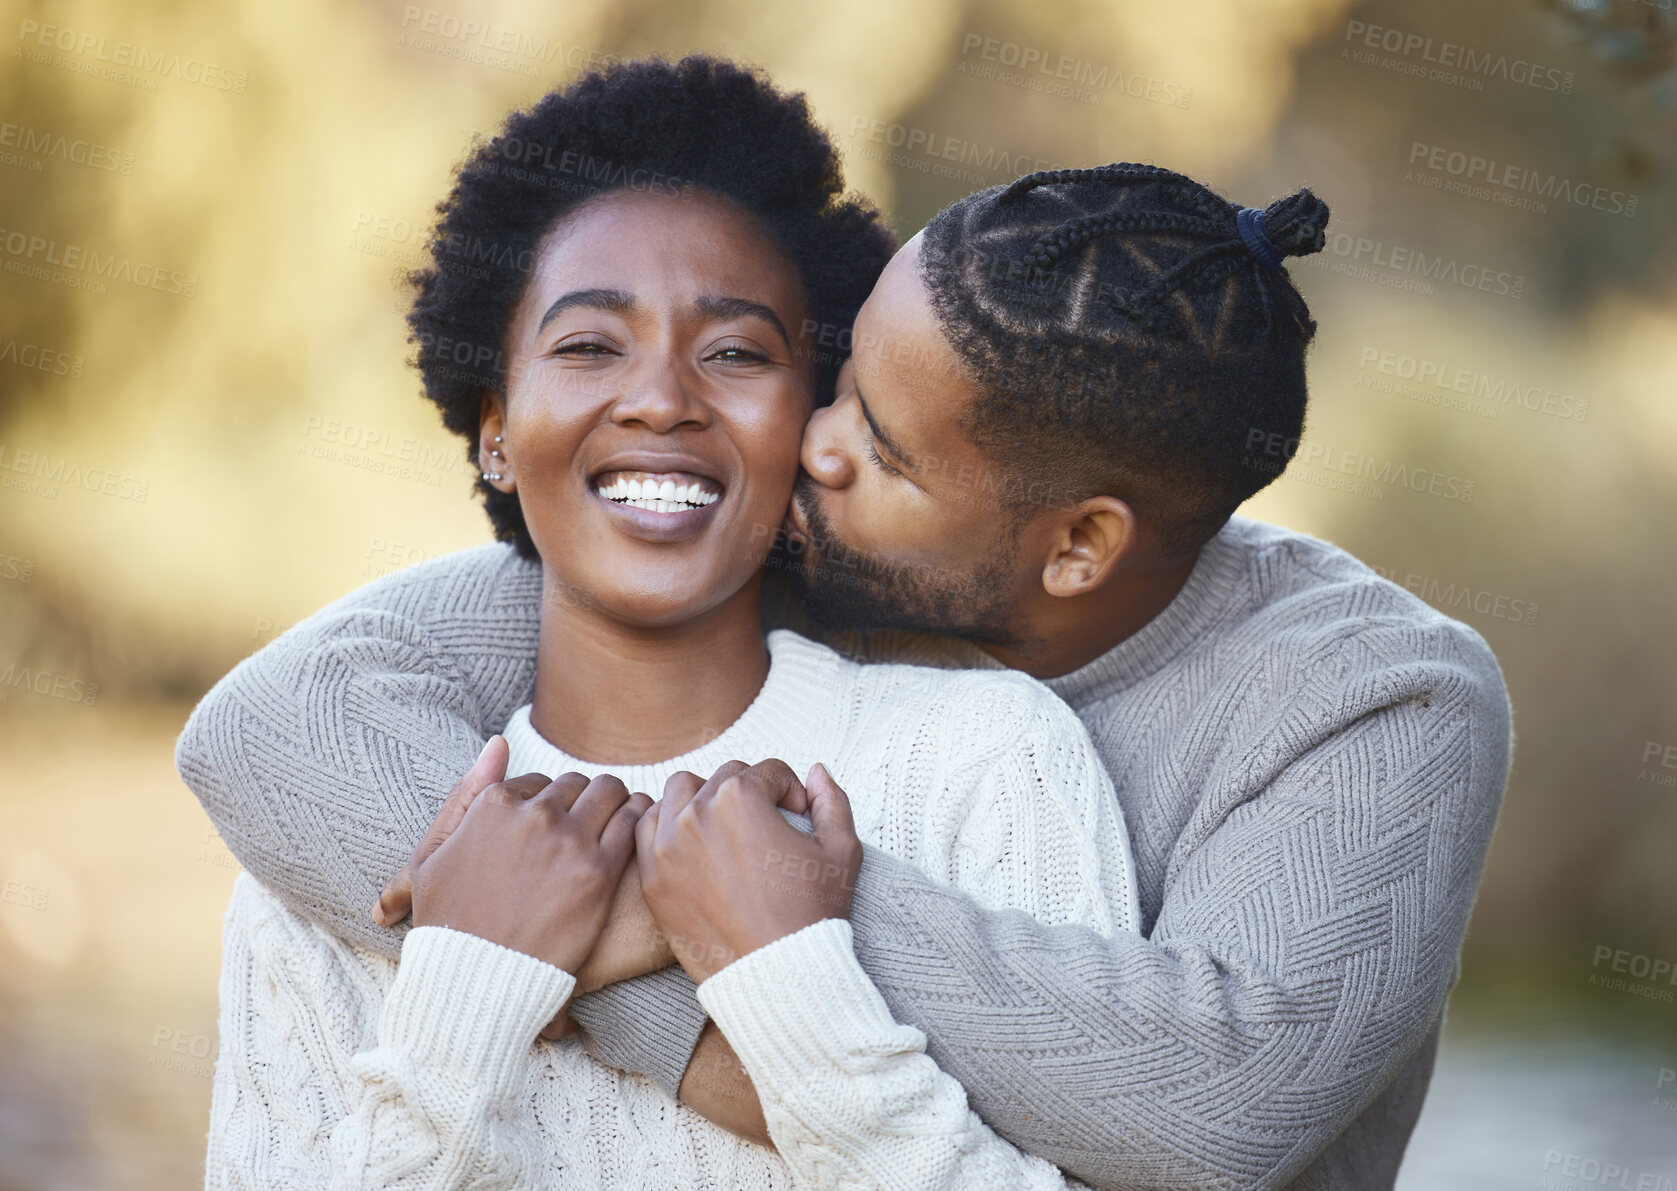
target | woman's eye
x=738, y=353
x=584, y=349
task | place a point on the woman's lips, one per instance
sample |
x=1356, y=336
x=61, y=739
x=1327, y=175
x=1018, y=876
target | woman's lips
x=658, y=524
x=659, y=492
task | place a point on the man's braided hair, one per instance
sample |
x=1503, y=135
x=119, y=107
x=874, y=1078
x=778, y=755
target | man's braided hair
x=1126, y=338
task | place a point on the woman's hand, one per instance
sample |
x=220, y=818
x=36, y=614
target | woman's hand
x=725, y=874
x=396, y=901
x=533, y=865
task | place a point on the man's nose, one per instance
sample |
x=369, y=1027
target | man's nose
x=821, y=455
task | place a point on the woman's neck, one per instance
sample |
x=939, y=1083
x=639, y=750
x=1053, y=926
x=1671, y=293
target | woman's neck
x=611, y=692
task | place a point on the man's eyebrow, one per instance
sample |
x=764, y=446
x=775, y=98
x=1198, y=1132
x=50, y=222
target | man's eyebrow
x=884, y=439
x=717, y=307
x=615, y=300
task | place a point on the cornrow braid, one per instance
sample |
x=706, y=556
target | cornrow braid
x=1129, y=331
x=1116, y=172
x=1050, y=246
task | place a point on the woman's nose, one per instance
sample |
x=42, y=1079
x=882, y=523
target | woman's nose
x=827, y=463
x=659, y=398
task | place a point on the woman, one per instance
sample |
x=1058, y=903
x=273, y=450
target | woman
x=639, y=426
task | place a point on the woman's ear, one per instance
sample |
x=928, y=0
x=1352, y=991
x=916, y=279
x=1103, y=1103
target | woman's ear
x=492, y=453
x=1087, y=545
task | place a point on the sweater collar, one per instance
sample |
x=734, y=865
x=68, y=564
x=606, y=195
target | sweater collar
x=795, y=703
x=1204, y=599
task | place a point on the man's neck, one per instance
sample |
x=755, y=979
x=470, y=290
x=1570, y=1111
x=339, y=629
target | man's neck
x=615, y=692
x=1060, y=635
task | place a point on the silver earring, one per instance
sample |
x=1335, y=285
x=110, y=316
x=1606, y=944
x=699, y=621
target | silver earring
x=492, y=475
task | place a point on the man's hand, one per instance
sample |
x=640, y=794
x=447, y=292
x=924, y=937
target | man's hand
x=632, y=944
x=725, y=874
x=534, y=873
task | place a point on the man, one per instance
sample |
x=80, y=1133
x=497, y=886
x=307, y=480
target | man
x=1058, y=395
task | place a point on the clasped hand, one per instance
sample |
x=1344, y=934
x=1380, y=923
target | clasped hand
x=609, y=885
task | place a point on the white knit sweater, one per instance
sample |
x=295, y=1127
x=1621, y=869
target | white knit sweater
x=341, y=1069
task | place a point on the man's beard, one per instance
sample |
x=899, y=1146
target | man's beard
x=844, y=589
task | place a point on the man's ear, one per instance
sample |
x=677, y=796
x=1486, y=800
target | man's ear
x=1086, y=545
x=492, y=454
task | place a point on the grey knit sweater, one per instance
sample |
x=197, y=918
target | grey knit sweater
x=1310, y=761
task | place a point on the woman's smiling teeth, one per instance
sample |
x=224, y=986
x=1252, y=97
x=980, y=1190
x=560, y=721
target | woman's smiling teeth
x=657, y=494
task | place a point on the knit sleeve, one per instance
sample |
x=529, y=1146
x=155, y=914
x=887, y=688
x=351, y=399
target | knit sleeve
x=315, y=1088
x=322, y=758
x=1305, y=945
x=1024, y=819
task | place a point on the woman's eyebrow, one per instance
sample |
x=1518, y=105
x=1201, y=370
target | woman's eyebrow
x=716, y=307
x=615, y=300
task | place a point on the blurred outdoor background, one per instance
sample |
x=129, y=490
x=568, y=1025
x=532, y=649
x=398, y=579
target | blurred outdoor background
x=217, y=435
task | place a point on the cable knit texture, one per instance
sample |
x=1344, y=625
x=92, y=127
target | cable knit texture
x=849, y=1095
x=341, y=1070
x=984, y=780
x=1309, y=760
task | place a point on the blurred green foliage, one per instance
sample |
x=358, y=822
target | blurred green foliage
x=283, y=201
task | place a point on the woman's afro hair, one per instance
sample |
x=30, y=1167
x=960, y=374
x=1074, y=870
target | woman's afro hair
x=652, y=126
